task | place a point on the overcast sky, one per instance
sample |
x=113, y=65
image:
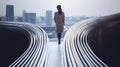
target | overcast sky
x=70, y=7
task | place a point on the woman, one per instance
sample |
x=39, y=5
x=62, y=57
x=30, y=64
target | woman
x=59, y=19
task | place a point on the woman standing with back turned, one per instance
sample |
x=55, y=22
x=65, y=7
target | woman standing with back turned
x=59, y=19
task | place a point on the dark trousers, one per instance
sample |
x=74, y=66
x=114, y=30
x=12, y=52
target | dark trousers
x=59, y=36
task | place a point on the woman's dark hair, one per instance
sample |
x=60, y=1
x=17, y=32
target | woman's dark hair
x=59, y=9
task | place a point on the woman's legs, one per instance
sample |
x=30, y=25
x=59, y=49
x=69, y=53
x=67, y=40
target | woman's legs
x=59, y=37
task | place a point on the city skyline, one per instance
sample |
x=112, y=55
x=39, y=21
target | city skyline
x=32, y=18
x=70, y=7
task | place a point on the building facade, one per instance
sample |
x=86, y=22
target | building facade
x=30, y=17
x=49, y=18
x=2, y=18
x=9, y=13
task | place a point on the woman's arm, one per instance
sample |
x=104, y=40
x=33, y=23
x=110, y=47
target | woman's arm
x=63, y=18
x=55, y=17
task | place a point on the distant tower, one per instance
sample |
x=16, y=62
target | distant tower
x=9, y=13
x=48, y=18
x=30, y=17
x=23, y=15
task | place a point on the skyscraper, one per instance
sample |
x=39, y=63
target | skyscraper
x=30, y=17
x=23, y=15
x=9, y=13
x=48, y=18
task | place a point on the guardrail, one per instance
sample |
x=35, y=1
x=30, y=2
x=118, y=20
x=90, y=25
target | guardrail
x=35, y=54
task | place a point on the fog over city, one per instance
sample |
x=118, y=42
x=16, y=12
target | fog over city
x=41, y=12
x=70, y=7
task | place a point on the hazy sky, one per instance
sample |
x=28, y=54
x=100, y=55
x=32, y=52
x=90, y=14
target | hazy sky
x=70, y=7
